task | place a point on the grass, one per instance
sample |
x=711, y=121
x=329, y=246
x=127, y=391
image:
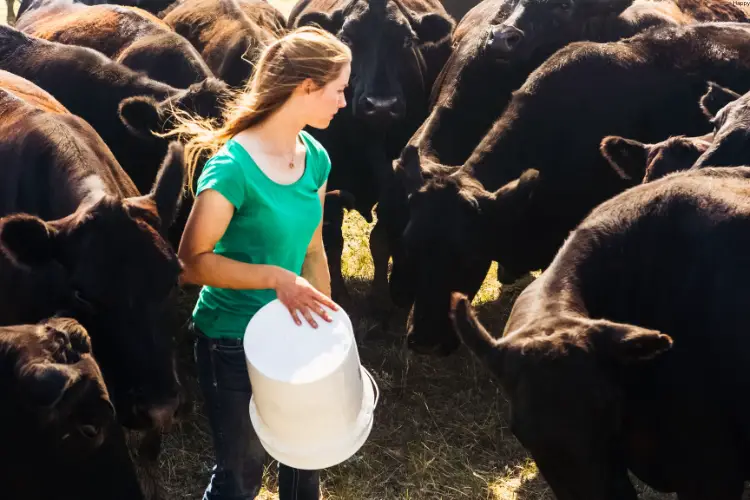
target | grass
x=441, y=429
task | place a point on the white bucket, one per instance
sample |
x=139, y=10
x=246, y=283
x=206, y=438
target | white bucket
x=311, y=407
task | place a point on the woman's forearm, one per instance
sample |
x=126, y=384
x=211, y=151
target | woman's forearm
x=222, y=272
x=315, y=270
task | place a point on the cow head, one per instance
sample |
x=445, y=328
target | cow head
x=562, y=377
x=454, y=232
x=121, y=277
x=636, y=160
x=52, y=388
x=143, y=115
x=546, y=25
x=729, y=113
x=386, y=40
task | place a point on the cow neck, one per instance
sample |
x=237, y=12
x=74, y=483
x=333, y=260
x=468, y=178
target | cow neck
x=495, y=161
x=556, y=293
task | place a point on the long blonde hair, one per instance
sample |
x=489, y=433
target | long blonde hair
x=306, y=52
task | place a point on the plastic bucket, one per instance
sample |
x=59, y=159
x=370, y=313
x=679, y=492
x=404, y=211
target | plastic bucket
x=313, y=402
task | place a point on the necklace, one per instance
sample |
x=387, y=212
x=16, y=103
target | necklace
x=294, y=153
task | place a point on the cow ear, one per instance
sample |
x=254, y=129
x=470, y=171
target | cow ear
x=628, y=344
x=410, y=164
x=205, y=99
x=627, y=157
x=433, y=27
x=473, y=334
x=331, y=22
x=344, y=199
x=517, y=193
x=167, y=190
x=140, y=115
x=45, y=384
x=716, y=98
x=29, y=240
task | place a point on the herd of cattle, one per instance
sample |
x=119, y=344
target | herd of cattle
x=589, y=138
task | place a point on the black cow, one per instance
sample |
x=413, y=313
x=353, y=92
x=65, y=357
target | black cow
x=229, y=34
x=632, y=339
x=76, y=237
x=479, y=78
x=729, y=113
x=127, y=35
x=655, y=160
x=728, y=144
x=58, y=428
x=539, y=171
x=539, y=26
x=398, y=48
x=123, y=106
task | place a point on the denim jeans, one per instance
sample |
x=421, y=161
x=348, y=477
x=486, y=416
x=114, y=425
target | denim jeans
x=238, y=473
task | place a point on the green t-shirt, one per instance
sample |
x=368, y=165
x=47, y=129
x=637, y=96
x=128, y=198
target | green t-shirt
x=272, y=224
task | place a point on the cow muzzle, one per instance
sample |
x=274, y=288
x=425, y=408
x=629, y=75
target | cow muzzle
x=162, y=416
x=383, y=109
x=504, y=39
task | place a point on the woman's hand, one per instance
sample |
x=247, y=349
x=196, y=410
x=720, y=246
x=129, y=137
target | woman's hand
x=297, y=294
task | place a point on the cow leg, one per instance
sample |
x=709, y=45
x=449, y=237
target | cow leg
x=333, y=240
x=11, y=17
x=379, y=296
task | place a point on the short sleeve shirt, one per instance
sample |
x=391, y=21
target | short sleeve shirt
x=272, y=224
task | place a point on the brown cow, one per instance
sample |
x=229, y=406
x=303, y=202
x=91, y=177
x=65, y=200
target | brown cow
x=77, y=237
x=229, y=34
x=128, y=35
x=57, y=418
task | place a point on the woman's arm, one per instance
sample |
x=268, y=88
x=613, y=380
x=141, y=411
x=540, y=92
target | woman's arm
x=315, y=267
x=206, y=224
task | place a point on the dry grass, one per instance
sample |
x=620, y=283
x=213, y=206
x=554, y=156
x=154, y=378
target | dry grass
x=440, y=429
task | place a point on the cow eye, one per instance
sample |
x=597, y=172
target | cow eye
x=409, y=43
x=564, y=5
x=345, y=39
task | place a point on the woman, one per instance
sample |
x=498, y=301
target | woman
x=254, y=234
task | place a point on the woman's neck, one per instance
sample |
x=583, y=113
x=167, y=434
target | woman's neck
x=278, y=133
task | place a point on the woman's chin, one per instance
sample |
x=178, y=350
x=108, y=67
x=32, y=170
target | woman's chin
x=322, y=123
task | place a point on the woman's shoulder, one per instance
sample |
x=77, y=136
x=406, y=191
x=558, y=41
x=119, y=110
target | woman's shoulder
x=321, y=160
x=315, y=145
x=223, y=172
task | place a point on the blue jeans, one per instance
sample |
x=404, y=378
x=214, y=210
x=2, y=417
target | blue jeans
x=238, y=473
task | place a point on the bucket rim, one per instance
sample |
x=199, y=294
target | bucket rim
x=321, y=455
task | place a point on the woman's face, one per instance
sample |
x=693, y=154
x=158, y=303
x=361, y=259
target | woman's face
x=325, y=102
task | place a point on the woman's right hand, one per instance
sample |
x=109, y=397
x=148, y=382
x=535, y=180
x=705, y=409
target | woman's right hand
x=298, y=295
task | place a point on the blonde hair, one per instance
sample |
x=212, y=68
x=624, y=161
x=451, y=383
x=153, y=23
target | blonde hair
x=306, y=52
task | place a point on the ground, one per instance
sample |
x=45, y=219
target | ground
x=440, y=431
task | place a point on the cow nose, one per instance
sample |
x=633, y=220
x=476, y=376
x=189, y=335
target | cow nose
x=382, y=107
x=163, y=416
x=505, y=38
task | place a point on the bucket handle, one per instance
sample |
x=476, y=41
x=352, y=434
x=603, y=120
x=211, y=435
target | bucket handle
x=374, y=385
